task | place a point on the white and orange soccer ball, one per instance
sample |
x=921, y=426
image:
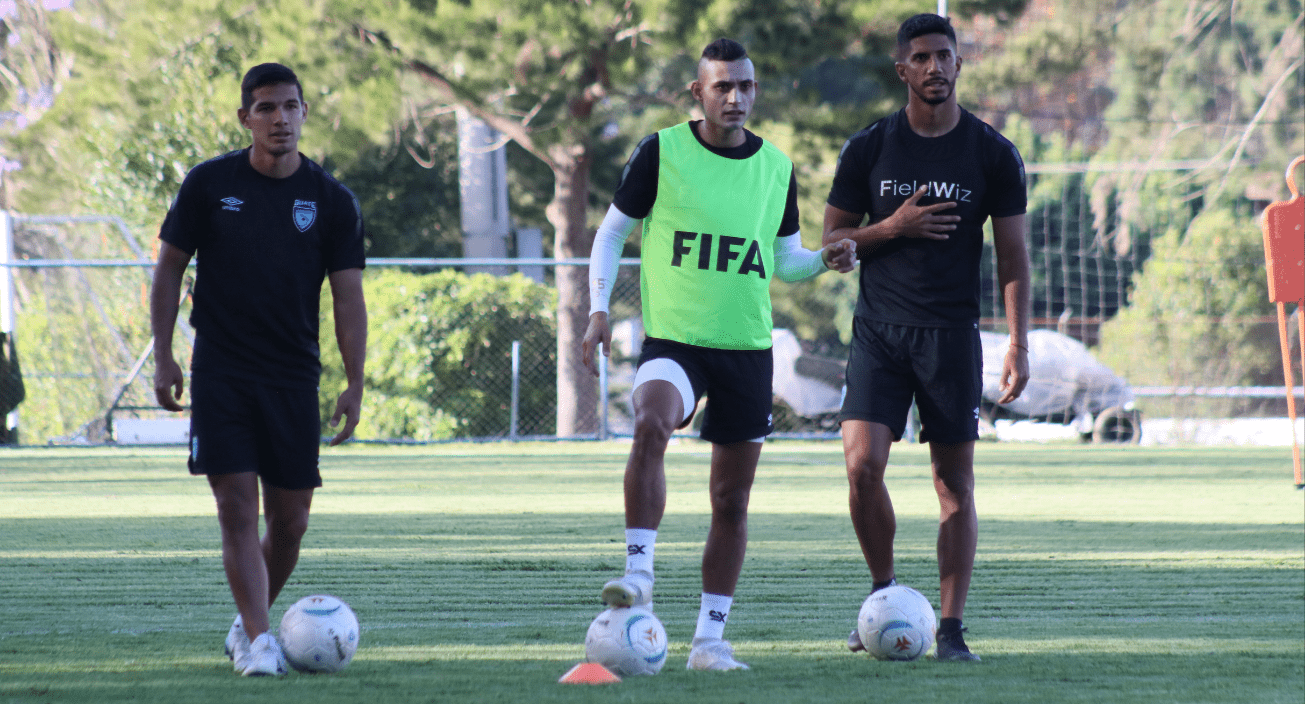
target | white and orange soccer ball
x=319, y=634
x=896, y=623
x=627, y=641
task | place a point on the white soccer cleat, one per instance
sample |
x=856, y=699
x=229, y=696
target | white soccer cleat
x=237, y=645
x=634, y=589
x=265, y=658
x=713, y=654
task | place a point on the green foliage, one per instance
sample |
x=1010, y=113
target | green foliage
x=1221, y=84
x=31, y=65
x=78, y=331
x=145, y=91
x=1187, y=322
x=439, y=360
x=1207, y=83
x=155, y=92
x=1043, y=58
x=410, y=207
x=141, y=154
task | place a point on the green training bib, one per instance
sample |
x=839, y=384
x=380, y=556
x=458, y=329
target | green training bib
x=709, y=243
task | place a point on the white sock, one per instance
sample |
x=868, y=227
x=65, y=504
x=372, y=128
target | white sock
x=639, y=544
x=713, y=613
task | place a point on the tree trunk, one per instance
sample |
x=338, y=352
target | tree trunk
x=577, y=390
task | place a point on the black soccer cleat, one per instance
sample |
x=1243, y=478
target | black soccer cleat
x=952, y=648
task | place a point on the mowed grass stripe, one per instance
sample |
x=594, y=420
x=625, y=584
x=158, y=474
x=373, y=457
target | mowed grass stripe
x=1104, y=574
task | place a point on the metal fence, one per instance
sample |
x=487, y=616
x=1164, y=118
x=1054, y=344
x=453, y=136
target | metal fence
x=470, y=355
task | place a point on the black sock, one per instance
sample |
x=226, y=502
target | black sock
x=949, y=626
x=880, y=585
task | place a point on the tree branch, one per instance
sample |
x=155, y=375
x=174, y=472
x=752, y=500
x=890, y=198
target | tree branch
x=1255, y=121
x=513, y=130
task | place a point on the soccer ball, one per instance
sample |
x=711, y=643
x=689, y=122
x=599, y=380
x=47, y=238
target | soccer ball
x=896, y=623
x=319, y=634
x=627, y=641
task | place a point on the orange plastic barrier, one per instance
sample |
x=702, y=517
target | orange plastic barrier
x=1284, y=261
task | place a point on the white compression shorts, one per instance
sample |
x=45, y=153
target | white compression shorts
x=669, y=370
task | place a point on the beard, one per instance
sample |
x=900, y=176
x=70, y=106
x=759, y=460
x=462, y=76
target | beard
x=937, y=98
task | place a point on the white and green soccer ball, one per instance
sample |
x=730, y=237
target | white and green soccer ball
x=627, y=641
x=896, y=623
x=319, y=634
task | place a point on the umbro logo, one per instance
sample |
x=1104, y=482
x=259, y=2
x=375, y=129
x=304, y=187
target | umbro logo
x=717, y=616
x=635, y=549
x=232, y=203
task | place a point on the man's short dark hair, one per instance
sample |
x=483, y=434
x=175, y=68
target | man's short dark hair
x=920, y=25
x=725, y=50
x=266, y=75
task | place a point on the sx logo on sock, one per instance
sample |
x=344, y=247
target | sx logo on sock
x=635, y=549
x=717, y=616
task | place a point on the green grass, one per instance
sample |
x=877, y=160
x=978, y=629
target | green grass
x=1104, y=574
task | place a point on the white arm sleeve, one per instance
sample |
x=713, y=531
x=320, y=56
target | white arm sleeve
x=606, y=257
x=793, y=262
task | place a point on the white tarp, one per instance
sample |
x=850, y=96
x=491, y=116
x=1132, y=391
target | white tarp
x=806, y=396
x=1064, y=377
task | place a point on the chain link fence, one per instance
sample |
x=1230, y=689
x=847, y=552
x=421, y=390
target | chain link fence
x=463, y=349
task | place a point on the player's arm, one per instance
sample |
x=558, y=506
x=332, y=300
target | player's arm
x=165, y=302
x=1013, y=279
x=794, y=263
x=351, y=335
x=604, y=262
x=909, y=220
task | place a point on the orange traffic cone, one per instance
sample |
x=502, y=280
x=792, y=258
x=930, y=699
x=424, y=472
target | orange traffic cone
x=589, y=673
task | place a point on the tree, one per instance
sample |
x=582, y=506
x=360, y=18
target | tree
x=548, y=75
x=571, y=83
x=1216, y=87
x=154, y=91
x=145, y=93
x=555, y=77
x=1193, y=312
x=1220, y=84
x=31, y=69
x=408, y=190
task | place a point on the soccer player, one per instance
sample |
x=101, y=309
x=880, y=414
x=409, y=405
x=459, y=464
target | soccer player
x=928, y=176
x=719, y=211
x=266, y=226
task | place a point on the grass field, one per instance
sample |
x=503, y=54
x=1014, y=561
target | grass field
x=1104, y=575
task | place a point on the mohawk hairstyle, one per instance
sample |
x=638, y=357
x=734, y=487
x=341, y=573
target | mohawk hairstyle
x=724, y=50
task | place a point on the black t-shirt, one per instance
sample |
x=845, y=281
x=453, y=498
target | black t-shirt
x=930, y=283
x=263, y=247
x=638, y=189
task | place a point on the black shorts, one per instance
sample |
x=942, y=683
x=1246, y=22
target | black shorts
x=737, y=384
x=940, y=368
x=243, y=426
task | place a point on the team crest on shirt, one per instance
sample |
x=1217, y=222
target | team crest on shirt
x=305, y=214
